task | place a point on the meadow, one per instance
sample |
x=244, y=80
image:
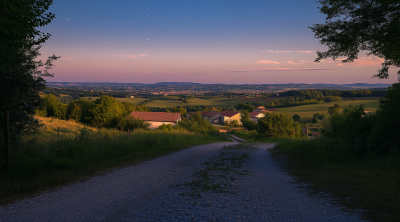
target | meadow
x=307, y=111
x=76, y=152
x=172, y=101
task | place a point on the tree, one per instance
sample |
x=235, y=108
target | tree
x=335, y=109
x=278, y=125
x=296, y=117
x=361, y=25
x=20, y=79
x=104, y=109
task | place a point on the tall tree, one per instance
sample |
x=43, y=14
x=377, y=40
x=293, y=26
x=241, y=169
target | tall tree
x=353, y=26
x=20, y=77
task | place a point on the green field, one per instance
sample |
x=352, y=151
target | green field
x=307, y=111
x=172, y=101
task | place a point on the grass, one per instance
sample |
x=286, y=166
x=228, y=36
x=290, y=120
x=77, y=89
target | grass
x=371, y=183
x=54, y=127
x=173, y=101
x=307, y=111
x=45, y=164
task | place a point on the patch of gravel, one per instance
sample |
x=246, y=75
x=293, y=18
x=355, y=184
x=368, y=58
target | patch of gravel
x=239, y=182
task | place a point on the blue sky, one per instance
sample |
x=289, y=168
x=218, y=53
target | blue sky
x=199, y=41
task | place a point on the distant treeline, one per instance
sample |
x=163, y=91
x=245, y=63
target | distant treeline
x=318, y=93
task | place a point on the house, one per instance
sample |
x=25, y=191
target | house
x=228, y=116
x=212, y=117
x=254, y=116
x=156, y=119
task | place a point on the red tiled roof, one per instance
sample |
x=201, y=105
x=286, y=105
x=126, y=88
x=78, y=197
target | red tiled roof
x=271, y=109
x=157, y=116
x=210, y=114
x=229, y=113
x=254, y=114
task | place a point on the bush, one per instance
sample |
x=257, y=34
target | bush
x=197, y=125
x=277, y=125
x=296, y=117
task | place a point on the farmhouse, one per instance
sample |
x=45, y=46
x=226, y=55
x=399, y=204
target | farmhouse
x=254, y=116
x=156, y=119
x=212, y=117
x=228, y=116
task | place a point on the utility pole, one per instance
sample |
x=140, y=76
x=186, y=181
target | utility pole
x=307, y=129
x=7, y=138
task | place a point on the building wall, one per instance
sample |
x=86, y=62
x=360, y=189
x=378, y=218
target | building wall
x=154, y=125
x=255, y=119
x=211, y=119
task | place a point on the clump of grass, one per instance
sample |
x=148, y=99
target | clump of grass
x=218, y=174
x=371, y=183
x=48, y=163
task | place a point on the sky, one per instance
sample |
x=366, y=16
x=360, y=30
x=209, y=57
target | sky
x=202, y=41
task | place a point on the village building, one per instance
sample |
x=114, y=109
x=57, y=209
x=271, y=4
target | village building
x=254, y=116
x=212, y=117
x=156, y=119
x=229, y=116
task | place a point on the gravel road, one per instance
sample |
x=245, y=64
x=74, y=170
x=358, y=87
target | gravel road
x=202, y=183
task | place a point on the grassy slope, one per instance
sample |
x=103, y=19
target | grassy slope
x=371, y=183
x=307, y=111
x=50, y=162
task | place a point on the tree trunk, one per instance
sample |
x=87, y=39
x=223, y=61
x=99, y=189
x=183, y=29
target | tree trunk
x=7, y=140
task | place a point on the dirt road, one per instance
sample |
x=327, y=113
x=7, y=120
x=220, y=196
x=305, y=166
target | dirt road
x=220, y=181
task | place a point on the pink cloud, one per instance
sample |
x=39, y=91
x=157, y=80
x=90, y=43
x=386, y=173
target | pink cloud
x=364, y=62
x=66, y=58
x=132, y=56
x=267, y=62
x=293, y=63
x=271, y=51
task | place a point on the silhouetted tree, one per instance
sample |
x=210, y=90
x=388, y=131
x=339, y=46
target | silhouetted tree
x=361, y=25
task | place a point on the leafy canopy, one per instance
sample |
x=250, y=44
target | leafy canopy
x=353, y=26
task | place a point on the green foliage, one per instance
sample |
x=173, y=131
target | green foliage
x=196, y=124
x=350, y=28
x=105, y=109
x=245, y=106
x=52, y=107
x=166, y=127
x=369, y=134
x=385, y=132
x=317, y=117
x=335, y=109
x=246, y=120
x=278, y=125
x=128, y=123
x=296, y=117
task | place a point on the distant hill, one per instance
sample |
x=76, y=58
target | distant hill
x=177, y=83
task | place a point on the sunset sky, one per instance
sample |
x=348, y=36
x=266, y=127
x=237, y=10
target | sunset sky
x=203, y=41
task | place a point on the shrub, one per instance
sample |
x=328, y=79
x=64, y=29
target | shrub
x=277, y=125
x=296, y=117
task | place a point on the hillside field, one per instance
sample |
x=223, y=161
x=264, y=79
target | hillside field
x=307, y=111
x=172, y=101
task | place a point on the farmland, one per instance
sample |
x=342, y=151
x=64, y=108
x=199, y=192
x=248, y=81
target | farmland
x=173, y=101
x=305, y=111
